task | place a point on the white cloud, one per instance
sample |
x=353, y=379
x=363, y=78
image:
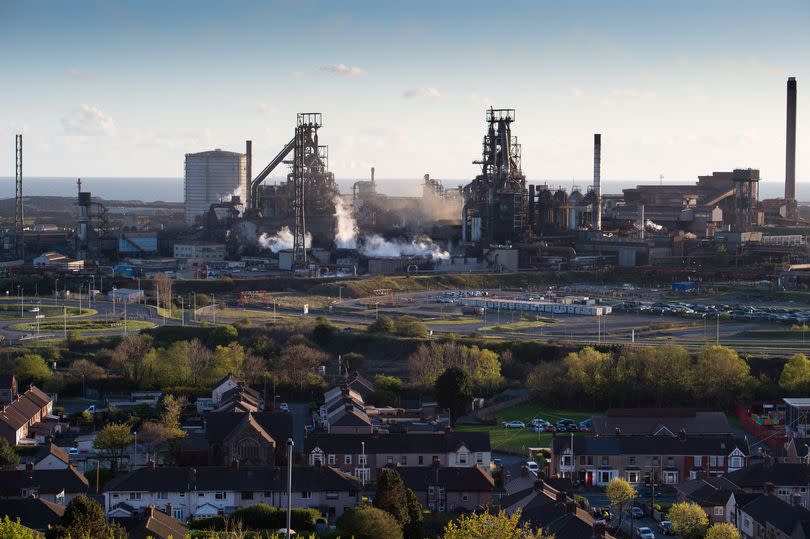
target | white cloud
x=88, y=121
x=425, y=92
x=577, y=92
x=76, y=73
x=481, y=100
x=342, y=70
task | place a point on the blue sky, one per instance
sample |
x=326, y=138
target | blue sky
x=676, y=88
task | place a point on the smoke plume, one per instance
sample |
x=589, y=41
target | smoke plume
x=282, y=240
x=377, y=246
x=345, y=225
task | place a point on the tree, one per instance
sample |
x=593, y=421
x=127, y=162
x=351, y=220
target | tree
x=367, y=522
x=410, y=326
x=454, y=392
x=9, y=459
x=723, y=530
x=795, y=377
x=28, y=368
x=112, y=442
x=298, y=366
x=199, y=359
x=688, y=519
x=323, y=332
x=720, y=374
x=84, y=517
x=413, y=529
x=131, y=358
x=253, y=368
x=230, y=358
x=391, y=496
x=430, y=360
x=83, y=369
x=12, y=529
x=163, y=287
x=383, y=324
x=620, y=493
x=490, y=526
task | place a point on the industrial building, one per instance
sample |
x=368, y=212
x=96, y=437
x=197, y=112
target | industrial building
x=211, y=177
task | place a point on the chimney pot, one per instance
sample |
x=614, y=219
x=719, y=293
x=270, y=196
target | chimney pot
x=769, y=488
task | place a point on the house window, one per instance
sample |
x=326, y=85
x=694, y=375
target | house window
x=316, y=457
x=479, y=458
x=605, y=476
x=421, y=460
x=670, y=461
x=390, y=460
x=362, y=460
x=362, y=473
x=605, y=461
x=464, y=497
x=347, y=459
x=698, y=460
x=331, y=495
x=783, y=492
x=720, y=459
x=268, y=493
x=162, y=495
x=247, y=495
x=566, y=460
x=134, y=495
x=435, y=459
x=631, y=460
x=200, y=494
x=403, y=460
x=632, y=476
x=331, y=460
x=219, y=495
x=718, y=511
x=713, y=460
x=178, y=513
x=462, y=458
x=670, y=478
x=735, y=462
x=656, y=461
x=582, y=460
x=306, y=494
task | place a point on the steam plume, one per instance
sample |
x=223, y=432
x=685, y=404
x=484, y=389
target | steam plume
x=282, y=240
x=346, y=225
x=375, y=245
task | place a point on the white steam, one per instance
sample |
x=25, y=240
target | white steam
x=282, y=240
x=345, y=225
x=376, y=246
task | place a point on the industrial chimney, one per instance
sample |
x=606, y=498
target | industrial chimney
x=248, y=171
x=790, y=150
x=597, y=180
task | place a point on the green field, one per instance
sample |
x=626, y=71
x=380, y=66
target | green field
x=12, y=310
x=519, y=440
x=49, y=326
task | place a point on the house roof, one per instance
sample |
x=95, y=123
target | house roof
x=22, y=409
x=45, y=481
x=218, y=425
x=707, y=492
x=50, y=449
x=641, y=421
x=650, y=445
x=778, y=513
x=358, y=380
x=420, y=442
x=154, y=524
x=778, y=473
x=34, y=513
x=243, y=478
x=470, y=479
x=351, y=418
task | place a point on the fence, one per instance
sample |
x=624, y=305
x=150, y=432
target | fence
x=489, y=411
x=775, y=438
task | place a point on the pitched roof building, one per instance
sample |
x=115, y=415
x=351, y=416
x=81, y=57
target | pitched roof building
x=449, y=489
x=34, y=513
x=18, y=417
x=657, y=421
x=45, y=484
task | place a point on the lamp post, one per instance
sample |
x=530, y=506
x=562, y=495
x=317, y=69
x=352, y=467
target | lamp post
x=182, y=311
x=19, y=293
x=290, y=444
x=363, y=462
x=56, y=291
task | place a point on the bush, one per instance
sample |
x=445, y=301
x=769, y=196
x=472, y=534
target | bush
x=216, y=523
x=266, y=517
x=409, y=326
x=368, y=522
x=384, y=324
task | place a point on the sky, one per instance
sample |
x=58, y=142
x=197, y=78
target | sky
x=125, y=89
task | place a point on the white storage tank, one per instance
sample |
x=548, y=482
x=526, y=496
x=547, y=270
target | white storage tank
x=211, y=177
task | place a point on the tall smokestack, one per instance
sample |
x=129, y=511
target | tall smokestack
x=248, y=170
x=790, y=150
x=597, y=180
x=372, y=174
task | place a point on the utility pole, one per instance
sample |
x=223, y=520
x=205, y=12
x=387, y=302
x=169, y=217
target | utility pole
x=290, y=444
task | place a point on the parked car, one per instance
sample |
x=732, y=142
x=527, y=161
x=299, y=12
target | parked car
x=283, y=407
x=567, y=425
x=645, y=533
x=636, y=512
x=73, y=451
x=665, y=527
x=532, y=466
x=514, y=425
x=585, y=426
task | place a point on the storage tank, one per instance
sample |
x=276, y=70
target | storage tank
x=212, y=177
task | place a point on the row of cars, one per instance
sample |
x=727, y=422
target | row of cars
x=734, y=312
x=605, y=516
x=541, y=425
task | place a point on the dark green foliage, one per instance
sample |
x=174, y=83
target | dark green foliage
x=85, y=518
x=266, y=517
x=9, y=459
x=368, y=522
x=414, y=528
x=383, y=324
x=410, y=326
x=391, y=497
x=324, y=331
x=216, y=523
x=454, y=392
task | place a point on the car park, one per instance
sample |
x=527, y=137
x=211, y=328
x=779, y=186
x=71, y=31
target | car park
x=514, y=425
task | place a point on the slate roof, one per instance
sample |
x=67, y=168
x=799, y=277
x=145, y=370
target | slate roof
x=648, y=421
x=471, y=479
x=50, y=449
x=778, y=473
x=650, y=445
x=22, y=409
x=155, y=524
x=244, y=478
x=46, y=481
x=778, y=513
x=426, y=443
x=34, y=513
x=218, y=425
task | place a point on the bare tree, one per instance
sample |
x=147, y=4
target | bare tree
x=298, y=366
x=129, y=357
x=253, y=368
x=199, y=360
x=163, y=284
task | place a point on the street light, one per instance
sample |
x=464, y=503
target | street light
x=290, y=444
x=19, y=293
